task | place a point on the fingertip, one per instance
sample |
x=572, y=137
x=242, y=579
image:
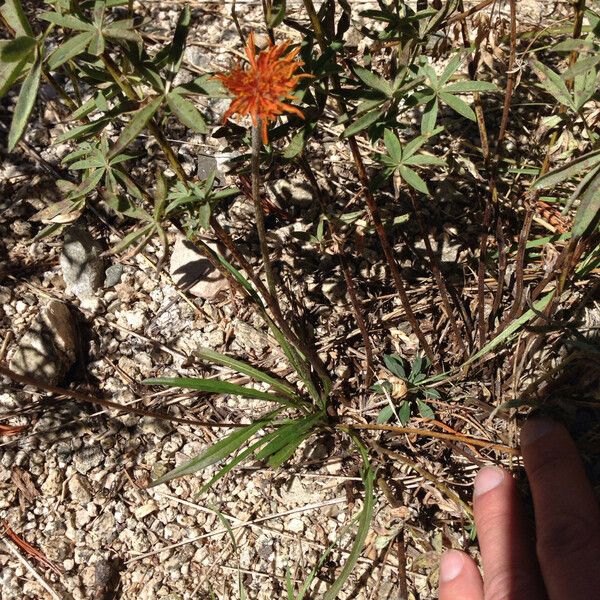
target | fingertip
x=459, y=577
x=488, y=479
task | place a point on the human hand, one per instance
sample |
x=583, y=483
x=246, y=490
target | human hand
x=564, y=564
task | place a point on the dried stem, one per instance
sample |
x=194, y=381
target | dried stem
x=258, y=210
x=436, y=434
x=350, y=285
x=372, y=204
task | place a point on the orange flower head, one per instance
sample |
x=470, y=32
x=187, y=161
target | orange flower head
x=261, y=88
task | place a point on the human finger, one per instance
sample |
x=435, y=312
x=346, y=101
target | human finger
x=567, y=515
x=459, y=577
x=510, y=568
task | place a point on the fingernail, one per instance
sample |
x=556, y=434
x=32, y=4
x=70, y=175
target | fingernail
x=451, y=565
x=536, y=428
x=487, y=479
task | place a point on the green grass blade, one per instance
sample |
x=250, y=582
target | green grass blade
x=364, y=522
x=510, y=330
x=242, y=367
x=214, y=386
x=216, y=452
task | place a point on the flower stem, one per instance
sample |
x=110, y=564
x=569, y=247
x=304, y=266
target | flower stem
x=258, y=211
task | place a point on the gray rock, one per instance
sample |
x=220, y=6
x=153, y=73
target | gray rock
x=80, y=489
x=81, y=263
x=189, y=267
x=295, y=192
x=113, y=275
x=48, y=348
x=88, y=458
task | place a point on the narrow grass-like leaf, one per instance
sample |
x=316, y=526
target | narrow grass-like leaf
x=511, y=329
x=216, y=452
x=573, y=167
x=364, y=522
x=241, y=457
x=25, y=103
x=214, y=386
x=136, y=125
x=241, y=367
x=132, y=237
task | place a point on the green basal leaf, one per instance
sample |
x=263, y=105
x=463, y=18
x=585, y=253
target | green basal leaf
x=214, y=386
x=368, y=477
x=216, y=452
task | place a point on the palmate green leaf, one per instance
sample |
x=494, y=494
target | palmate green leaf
x=132, y=237
x=553, y=84
x=425, y=159
x=374, y=81
x=17, y=49
x=429, y=118
x=70, y=49
x=135, y=126
x=241, y=367
x=82, y=131
x=361, y=123
x=10, y=71
x=214, y=386
x=14, y=15
x=462, y=87
x=364, y=522
x=97, y=44
x=568, y=170
x=393, y=145
x=186, y=112
x=66, y=21
x=452, y=66
x=460, y=106
x=589, y=206
x=216, y=452
x=413, y=179
x=415, y=144
x=25, y=102
x=87, y=185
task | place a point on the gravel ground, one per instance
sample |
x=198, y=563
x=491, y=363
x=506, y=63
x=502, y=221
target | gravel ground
x=73, y=482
